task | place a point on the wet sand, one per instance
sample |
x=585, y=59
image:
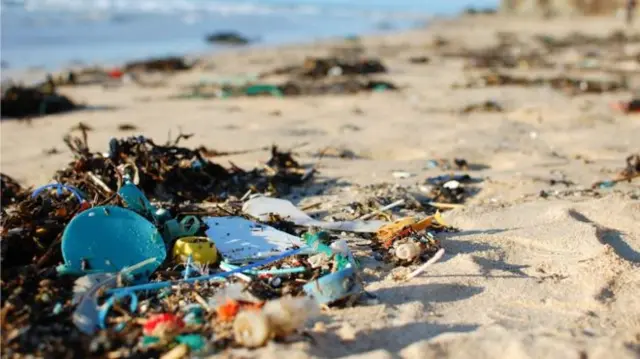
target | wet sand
x=526, y=277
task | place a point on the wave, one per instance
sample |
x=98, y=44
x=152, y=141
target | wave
x=342, y=8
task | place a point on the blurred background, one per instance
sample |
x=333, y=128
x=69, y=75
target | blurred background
x=55, y=33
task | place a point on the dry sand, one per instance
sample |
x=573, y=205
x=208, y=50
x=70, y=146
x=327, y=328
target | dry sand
x=527, y=277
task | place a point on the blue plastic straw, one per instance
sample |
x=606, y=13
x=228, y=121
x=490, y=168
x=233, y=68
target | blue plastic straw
x=276, y=272
x=165, y=284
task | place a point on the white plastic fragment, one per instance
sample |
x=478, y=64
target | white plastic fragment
x=453, y=184
x=340, y=246
x=426, y=265
x=261, y=207
x=239, y=239
x=335, y=71
x=85, y=295
x=395, y=204
x=402, y=174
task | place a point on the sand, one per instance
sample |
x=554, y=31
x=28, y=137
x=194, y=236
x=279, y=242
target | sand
x=526, y=277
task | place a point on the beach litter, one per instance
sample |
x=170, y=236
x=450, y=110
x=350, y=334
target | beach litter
x=291, y=88
x=316, y=68
x=166, y=64
x=262, y=207
x=568, y=85
x=454, y=189
x=154, y=250
x=631, y=171
x=627, y=107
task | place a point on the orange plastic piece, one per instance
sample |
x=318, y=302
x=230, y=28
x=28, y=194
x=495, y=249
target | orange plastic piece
x=228, y=311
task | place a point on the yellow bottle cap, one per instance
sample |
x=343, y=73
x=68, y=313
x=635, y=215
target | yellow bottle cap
x=201, y=249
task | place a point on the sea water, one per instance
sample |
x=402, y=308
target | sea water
x=57, y=33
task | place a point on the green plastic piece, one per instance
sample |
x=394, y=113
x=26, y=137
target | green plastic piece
x=149, y=340
x=261, y=89
x=315, y=241
x=380, y=88
x=195, y=342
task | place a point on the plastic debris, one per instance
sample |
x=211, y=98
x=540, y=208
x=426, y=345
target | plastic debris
x=194, y=315
x=195, y=342
x=167, y=64
x=334, y=286
x=227, y=312
x=403, y=227
x=631, y=171
x=238, y=239
x=262, y=207
x=109, y=239
x=86, y=291
x=163, y=325
x=436, y=257
x=201, y=249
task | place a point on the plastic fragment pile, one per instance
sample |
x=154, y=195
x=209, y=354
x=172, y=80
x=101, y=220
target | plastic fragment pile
x=148, y=249
x=315, y=76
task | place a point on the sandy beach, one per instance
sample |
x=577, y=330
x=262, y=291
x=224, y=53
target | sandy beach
x=529, y=275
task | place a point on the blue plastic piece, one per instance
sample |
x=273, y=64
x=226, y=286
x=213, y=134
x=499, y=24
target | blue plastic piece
x=333, y=287
x=432, y=164
x=135, y=200
x=216, y=276
x=109, y=239
x=104, y=309
x=188, y=226
x=607, y=184
x=60, y=189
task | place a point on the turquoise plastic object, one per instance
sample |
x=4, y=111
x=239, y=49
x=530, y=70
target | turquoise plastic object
x=195, y=342
x=334, y=286
x=136, y=200
x=109, y=239
x=314, y=240
x=380, y=88
x=188, y=226
x=262, y=89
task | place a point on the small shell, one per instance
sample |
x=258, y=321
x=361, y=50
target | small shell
x=251, y=329
x=288, y=314
x=408, y=251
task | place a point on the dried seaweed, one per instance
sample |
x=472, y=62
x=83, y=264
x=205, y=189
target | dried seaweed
x=20, y=102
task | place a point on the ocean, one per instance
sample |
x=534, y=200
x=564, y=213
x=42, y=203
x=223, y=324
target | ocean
x=52, y=34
